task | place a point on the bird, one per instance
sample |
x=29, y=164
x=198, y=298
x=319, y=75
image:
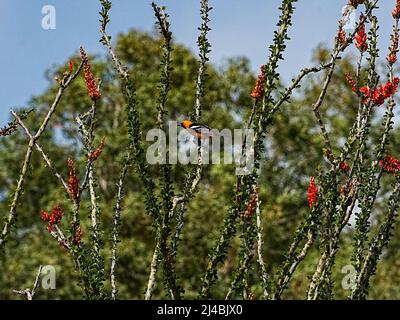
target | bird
x=200, y=131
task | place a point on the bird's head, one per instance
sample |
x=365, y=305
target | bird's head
x=185, y=124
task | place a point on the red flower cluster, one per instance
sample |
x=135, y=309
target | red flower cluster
x=352, y=82
x=355, y=3
x=52, y=219
x=45, y=216
x=344, y=166
x=78, y=236
x=361, y=38
x=312, y=192
x=73, y=182
x=341, y=38
x=390, y=164
x=251, y=207
x=71, y=67
x=396, y=11
x=377, y=96
x=392, y=57
x=91, y=85
x=96, y=153
x=258, y=91
x=382, y=93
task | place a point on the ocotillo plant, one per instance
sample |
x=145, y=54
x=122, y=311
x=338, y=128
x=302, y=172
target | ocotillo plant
x=345, y=187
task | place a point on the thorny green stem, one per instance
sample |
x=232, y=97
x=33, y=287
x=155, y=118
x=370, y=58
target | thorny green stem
x=9, y=222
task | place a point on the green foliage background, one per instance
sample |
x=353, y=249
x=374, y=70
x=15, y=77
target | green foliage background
x=294, y=152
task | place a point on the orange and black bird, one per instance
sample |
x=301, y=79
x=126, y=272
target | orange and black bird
x=200, y=131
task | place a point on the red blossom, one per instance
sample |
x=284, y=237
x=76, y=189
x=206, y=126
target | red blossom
x=78, y=236
x=45, y=216
x=258, y=91
x=341, y=38
x=73, y=182
x=54, y=218
x=396, y=11
x=361, y=37
x=58, y=214
x=390, y=164
x=355, y=3
x=344, y=166
x=71, y=66
x=96, y=153
x=312, y=192
x=91, y=85
x=252, y=204
x=386, y=91
x=378, y=97
x=352, y=82
x=390, y=88
x=392, y=57
x=366, y=93
x=381, y=93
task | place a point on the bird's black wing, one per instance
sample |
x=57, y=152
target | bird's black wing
x=199, y=127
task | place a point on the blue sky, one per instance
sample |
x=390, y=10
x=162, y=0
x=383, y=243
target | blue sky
x=239, y=28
